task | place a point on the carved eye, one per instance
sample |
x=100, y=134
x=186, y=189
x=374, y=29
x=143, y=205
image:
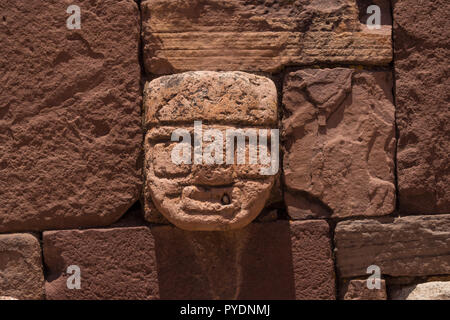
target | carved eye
x=163, y=164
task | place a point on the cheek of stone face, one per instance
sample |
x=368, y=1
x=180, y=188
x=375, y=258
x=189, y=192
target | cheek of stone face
x=163, y=165
x=251, y=170
x=254, y=193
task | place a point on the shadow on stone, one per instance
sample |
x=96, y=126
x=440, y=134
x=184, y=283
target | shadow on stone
x=250, y=263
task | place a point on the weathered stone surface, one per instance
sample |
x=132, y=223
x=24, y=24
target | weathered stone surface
x=216, y=97
x=70, y=124
x=260, y=35
x=21, y=275
x=407, y=246
x=358, y=290
x=276, y=260
x=267, y=215
x=191, y=195
x=132, y=218
x=339, y=136
x=151, y=214
x=423, y=291
x=422, y=59
x=114, y=263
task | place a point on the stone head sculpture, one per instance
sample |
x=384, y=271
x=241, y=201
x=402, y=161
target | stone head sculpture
x=211, y=150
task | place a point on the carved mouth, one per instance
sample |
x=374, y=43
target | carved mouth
x=209, y=200
x=225, y=200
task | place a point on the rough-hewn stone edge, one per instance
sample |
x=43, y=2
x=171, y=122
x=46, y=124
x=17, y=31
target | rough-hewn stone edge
x=31, y=250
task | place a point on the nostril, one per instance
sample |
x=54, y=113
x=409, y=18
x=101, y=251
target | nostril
x=225, y=199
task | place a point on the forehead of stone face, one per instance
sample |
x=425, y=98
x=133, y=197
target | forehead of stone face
x=164, y=132
x=213, y=97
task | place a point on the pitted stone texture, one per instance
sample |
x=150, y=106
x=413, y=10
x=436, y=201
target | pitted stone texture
x=439, y=290
x=407, y=246
x=70, y=124
x=339, y=132
x=114, y=263
x=151, y=214
x=276, y=260
x=216, y=97
x=191, y=195
x=21, y=275
x=358, y=290
x=422, y=60
x=260, y=35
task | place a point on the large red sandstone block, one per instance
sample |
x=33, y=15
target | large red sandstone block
x=275, y=260
x=339, y=132
x=70, y=123
x=422, y=59
x=21, y=275
x=255, y=35
x=407, y=246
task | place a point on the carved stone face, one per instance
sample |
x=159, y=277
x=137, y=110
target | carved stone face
x=204, y=196
x=209, y=194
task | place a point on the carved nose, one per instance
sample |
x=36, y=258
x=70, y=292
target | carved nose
x=213, y=175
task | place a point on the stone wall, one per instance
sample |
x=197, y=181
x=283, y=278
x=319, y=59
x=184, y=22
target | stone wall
x=352, y=202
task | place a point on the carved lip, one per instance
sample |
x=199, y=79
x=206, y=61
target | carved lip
x=203, y=199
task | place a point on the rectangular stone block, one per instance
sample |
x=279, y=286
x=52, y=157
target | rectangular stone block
x=339, y=143
x=260, y=35
x=21, y=275
x=422, y=59
x=70, y=113
x=406, y=246
x=274, y=260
